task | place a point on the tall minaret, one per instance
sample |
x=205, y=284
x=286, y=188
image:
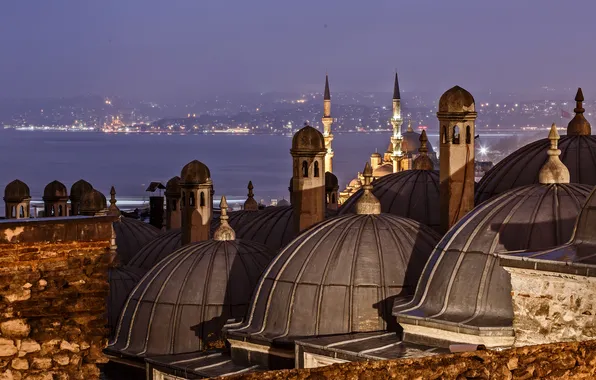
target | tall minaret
x=196, y=202
x=327, y=121
x=396, y=121
x=457, y=122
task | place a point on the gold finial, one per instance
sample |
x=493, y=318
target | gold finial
x=250, y=204
x=224, y=232
x=113, y=209
x=423, y=161
x=579, y=126
x=410, y=129
x=368, y=204
x=553, y=171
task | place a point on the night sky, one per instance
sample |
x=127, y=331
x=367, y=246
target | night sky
x=156, y=49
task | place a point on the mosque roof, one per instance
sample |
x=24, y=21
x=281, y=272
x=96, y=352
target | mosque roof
x=131, y=235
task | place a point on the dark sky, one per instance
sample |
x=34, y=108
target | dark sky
x=154, y=49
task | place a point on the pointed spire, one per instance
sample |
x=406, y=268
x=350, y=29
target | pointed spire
x=251, y=204
x=224, y=232
x=113, y=209
x=579, y=126
x=410, y=129
x=553, y=171
x=396, y=94
x=368, y=204
x=423, y=161
x=327, y=92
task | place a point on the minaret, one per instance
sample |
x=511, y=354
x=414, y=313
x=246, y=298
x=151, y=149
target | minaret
x=457, y=119
x=308, y=181
x=553, y=171
x=423, y=161
x=396, y=122
x=224, y=232
x=113, y=209
x=327, y=121
x=251, y=204
x=368, y=204
x=196, y=202
x=173, y=207
x=579, y=126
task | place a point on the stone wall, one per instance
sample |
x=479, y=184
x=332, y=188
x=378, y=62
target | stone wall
x=556, y=361
x=552, y=307
x=53, y=289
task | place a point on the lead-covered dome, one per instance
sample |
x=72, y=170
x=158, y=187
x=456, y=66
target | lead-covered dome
x=463, y=287
x=173, y=187
x=273, y=227
x=78, y=189
x=122, y=281
x=195, y=172
x=182, y=303
x=16, y=191
x=456, y=100
x=131, y=236
x=55, y=190
x=92, y=202
x=339, y=277
x=308, y=138
x=412, y=194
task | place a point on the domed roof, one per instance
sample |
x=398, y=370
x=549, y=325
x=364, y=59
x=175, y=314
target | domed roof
x=273, y=227
x=55, y=190
x=93, y=202
x=355, y=184
x=411, y=143
x=331, y=182
x=156, y=250
x=122, y=280
x=16, y=191
x=173, y=187
x=131, y=236
x=308, y=138
x=463, y=283
x=79, y=188
x=339, y=277
x=236, y=219
x=522, y=167
x=411, y=194
x=284, y=202
x=383, y=170
x=195, y=172
x=182, y=303
x=456, y=99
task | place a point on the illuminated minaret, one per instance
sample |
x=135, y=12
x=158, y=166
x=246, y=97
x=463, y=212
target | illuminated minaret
x=327, y=121
x=396, y=121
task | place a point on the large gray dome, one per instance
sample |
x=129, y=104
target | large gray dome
x=122, y=281
x=412, y=194
x=131, y=236
x=182, y=303
x=463, y=288
x=339, y=277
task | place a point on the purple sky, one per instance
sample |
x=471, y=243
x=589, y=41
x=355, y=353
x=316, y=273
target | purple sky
x=156, y=48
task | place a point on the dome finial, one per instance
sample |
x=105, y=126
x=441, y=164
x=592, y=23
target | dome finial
x=250, y=204
x=553, y=171
x=113, y=209
x=410, y=129
x=224, y=232
x=579, y=126
x=423, y=161
x=368, y=204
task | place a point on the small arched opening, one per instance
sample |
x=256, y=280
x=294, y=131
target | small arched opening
x=22, y=212
x=304, y=169
x=191, y=199
x=174, y=204
x=468, y=135
x=60, y=210
x=444, y=135
x=202, y=204
x=316, y=169
x=455, y=139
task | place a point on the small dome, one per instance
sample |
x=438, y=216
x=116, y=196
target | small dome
x=283, y=203
x=308, y=138
x=463, y=283
x=522, y=167
x=16, y=191
x=122, y=281
x=78, y=189
x=331, y=183
x=195, y=172
x=55, y=190
x=173, y=187
x=411, y=143
x=339, y=277
x=183, y=302
x=355, y=184
x=383, y=170
x=93, y=202
x=131, y=236
x=411, y=194
x=456, y=99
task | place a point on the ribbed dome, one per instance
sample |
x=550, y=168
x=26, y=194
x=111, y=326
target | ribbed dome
x=16, y=191
x=183, y=302
x=93, y=202
x=463, y=283
x=195, y=172
x=411, y=194
x=55, y=190
x=521, y=168
x=236, y=219
x=122, y=280
x=131, y=236
x=308, y=138
x=383, y=170
x=273, y=227
x=156, y=250
x=457, y=100
x=339, y=277
x=78, y=189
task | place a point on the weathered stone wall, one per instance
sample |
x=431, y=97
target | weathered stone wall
x=552, y=307
x=553, y=361
x=53, y=289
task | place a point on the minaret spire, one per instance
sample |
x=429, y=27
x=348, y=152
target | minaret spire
x=224, y=232
x=368, y=204
x=579, y=126
x=396, y=94
x=553, y=171
x=113, y=209
x=396, y=121
x=327, y=122
x=251, y=204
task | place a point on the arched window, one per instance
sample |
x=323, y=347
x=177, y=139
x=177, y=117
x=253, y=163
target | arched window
x=60, y=210
x=333, y=198
x=455, y=139
x=316, y=168
x=22, y=212
x=52, y=211
x=183, y=198
x=202, y=199
x=444, y=135
x=328, y=200
x=191, y=199
x=174, y=204
x=304, y=169
x=468, y=135
x=13, y=212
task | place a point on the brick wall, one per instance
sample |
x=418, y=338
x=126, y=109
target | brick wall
x=53, y=289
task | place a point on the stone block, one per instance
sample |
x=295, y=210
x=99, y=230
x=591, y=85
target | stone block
x=7, y=347
x=67, y=346
x=20, y=364
x=15, y=329
x=61, y=359
x=41, y=363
